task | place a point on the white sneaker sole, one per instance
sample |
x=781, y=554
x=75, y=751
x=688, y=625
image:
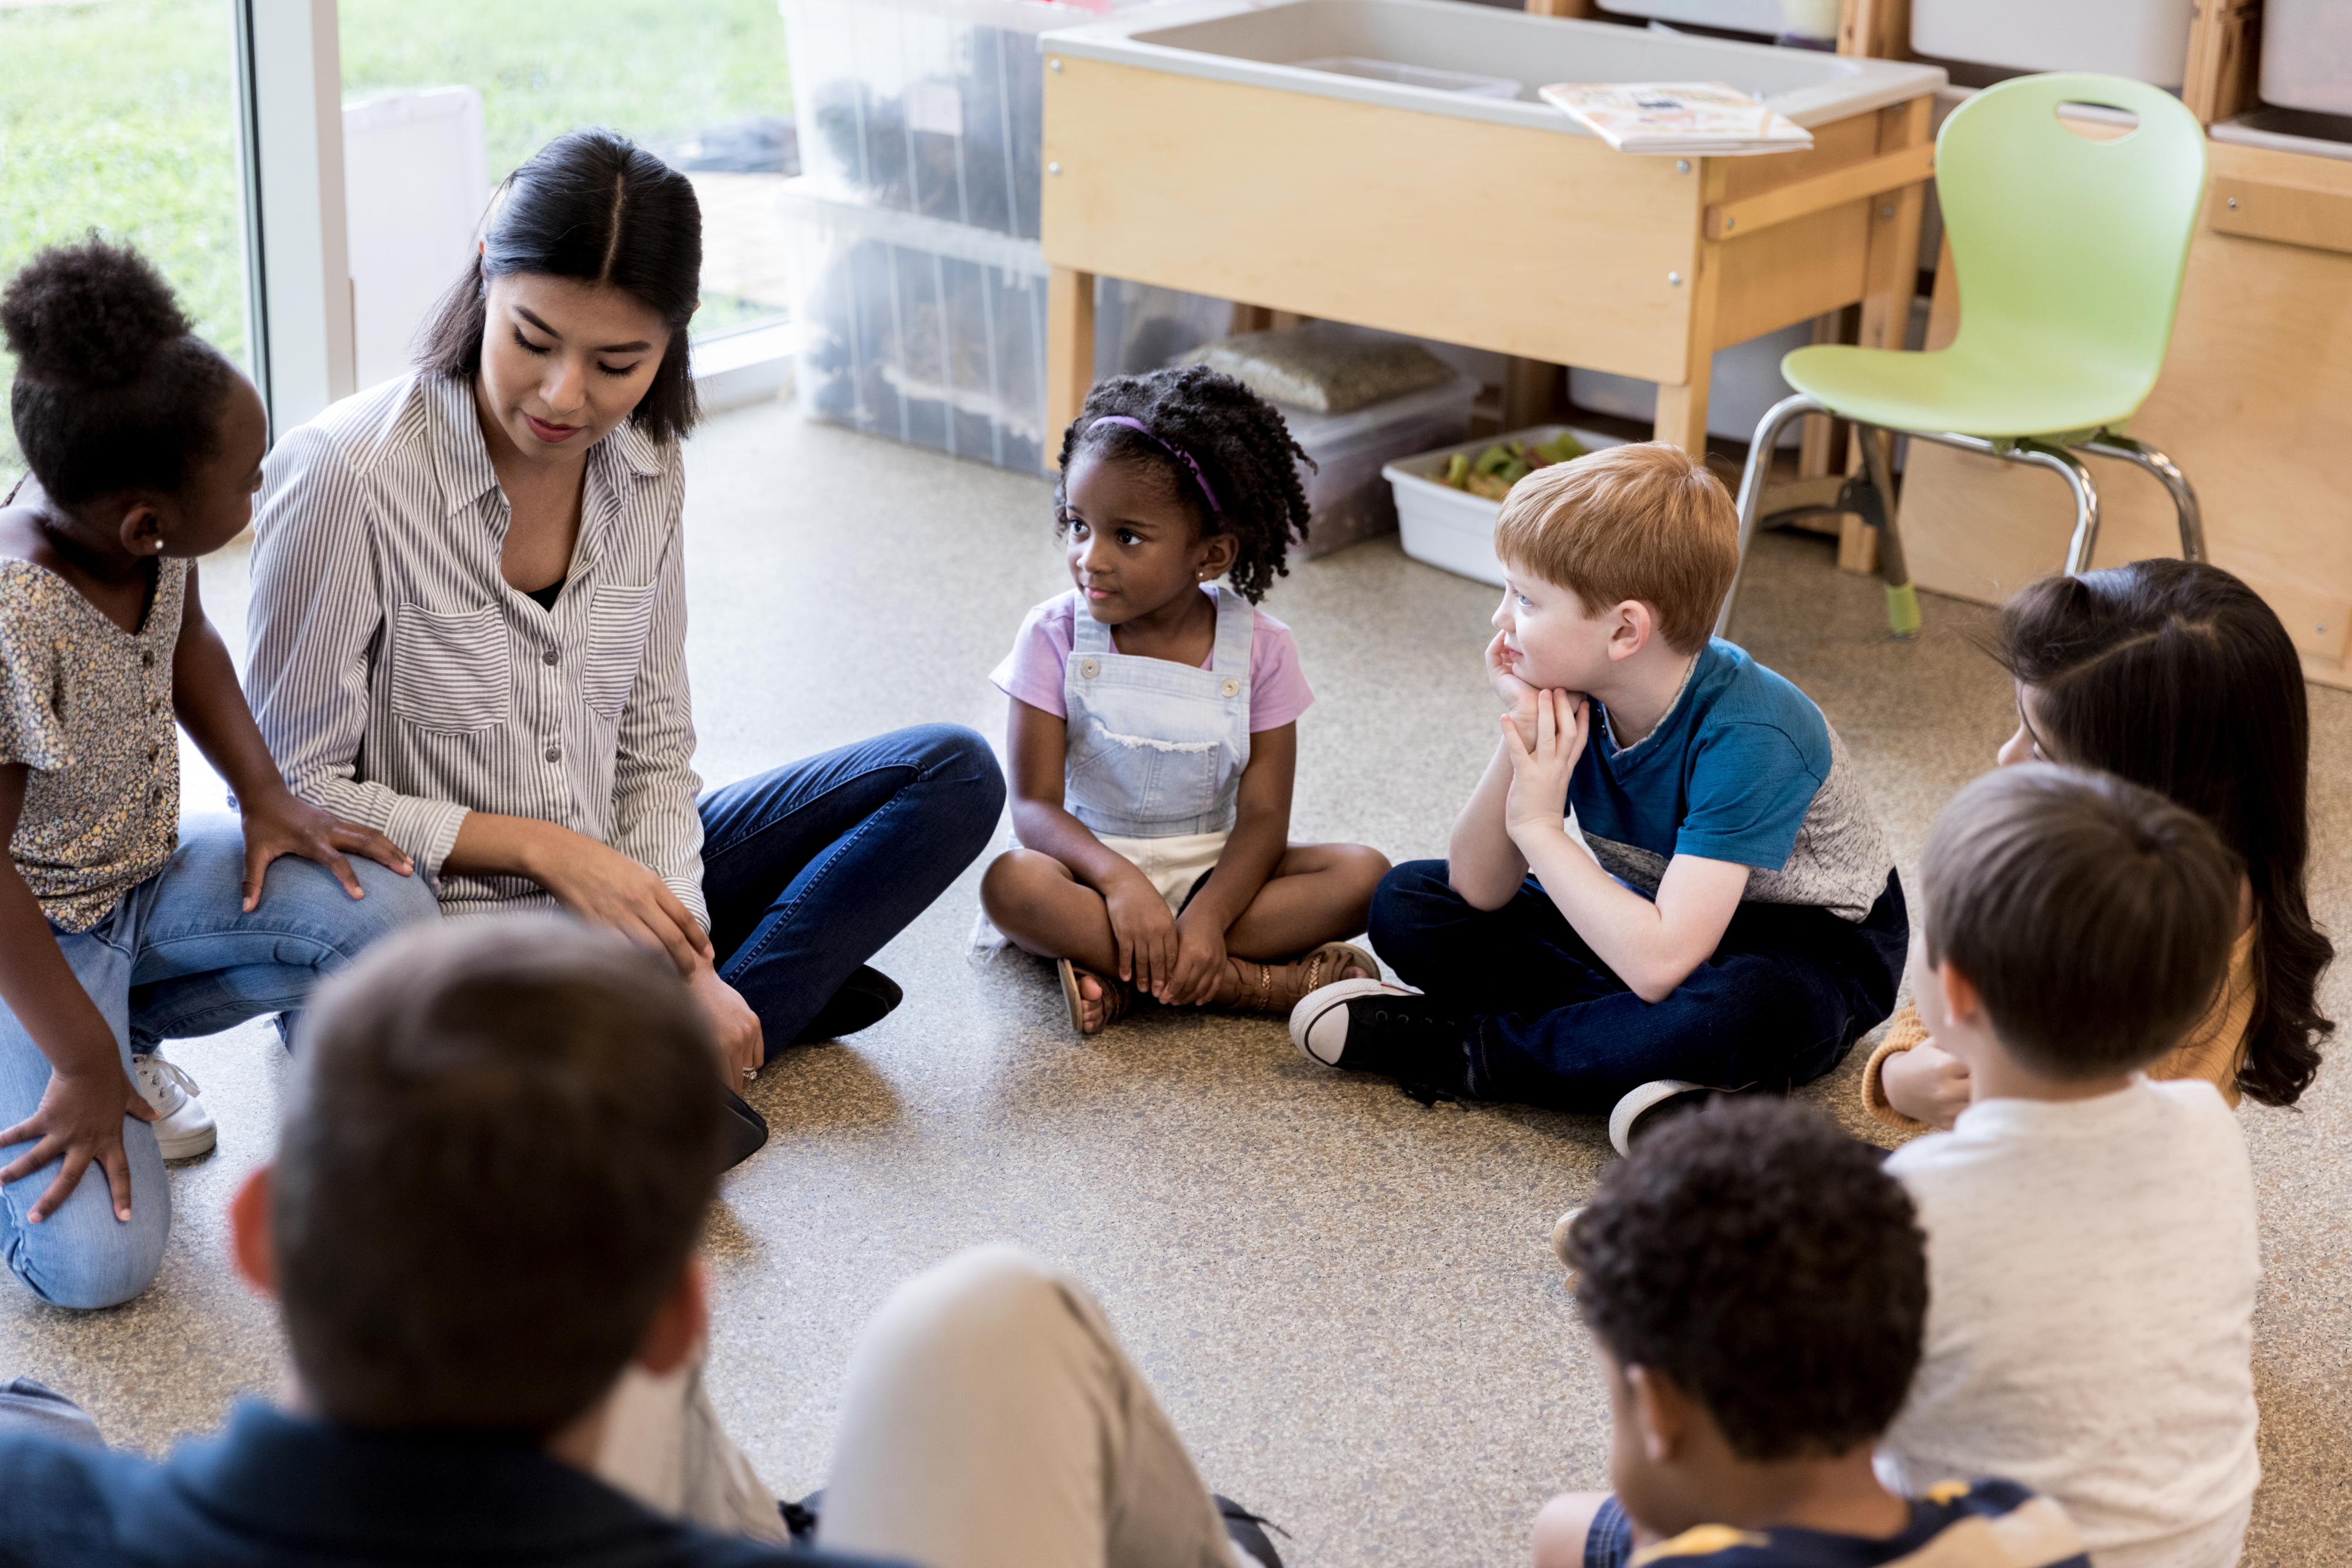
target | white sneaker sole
x=1316, y=1005
x=1631, y=1107
x=187, y=1145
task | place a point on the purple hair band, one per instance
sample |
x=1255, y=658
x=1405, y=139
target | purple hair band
x=1178, y=453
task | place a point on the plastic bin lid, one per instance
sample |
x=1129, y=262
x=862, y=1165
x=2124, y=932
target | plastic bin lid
x=1311, y=429
x=1008, y=15
x=806, y=199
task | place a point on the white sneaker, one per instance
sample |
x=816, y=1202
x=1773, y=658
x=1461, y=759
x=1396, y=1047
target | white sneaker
x=1654, y=1098
x=1318, y=1024
x=183, y=1128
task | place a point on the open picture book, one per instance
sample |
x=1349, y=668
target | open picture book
x=1684, y=119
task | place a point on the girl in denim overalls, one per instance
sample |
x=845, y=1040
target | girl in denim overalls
x=1153, y=730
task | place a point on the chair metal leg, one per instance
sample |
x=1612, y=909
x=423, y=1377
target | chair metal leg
x=1752, y=481
x=2106, y=443
x=2069, y=467
x=1902, y=598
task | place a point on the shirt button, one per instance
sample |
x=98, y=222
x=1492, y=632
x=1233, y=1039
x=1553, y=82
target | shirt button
x=1089, y=668
x=555, y=754
x=1232, y=688
x=550, y=657
x=148, y=658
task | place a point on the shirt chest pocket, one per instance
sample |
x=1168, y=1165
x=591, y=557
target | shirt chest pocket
x=619, y=619
x=450, y=669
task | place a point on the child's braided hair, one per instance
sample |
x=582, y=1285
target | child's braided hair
x=1239, y=440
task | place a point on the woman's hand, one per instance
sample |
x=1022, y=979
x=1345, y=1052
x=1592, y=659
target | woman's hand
x=1518, y=698
x=1927, y=1084
x=80, y=1118
x=1200, y=960
x=1144, y=930
x=743, y=1044
x=601, y=886
x=1539, y=774
x=277, y=823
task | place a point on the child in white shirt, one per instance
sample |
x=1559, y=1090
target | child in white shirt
x=2092, y=1249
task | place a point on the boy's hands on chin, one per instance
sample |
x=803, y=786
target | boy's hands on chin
x=1538, y=802
x=1518, y=696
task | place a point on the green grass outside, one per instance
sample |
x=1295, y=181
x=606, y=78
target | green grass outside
x=120, y=114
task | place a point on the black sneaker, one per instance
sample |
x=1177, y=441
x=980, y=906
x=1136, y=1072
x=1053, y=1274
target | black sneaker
x=1371, y=1026
x=865, y=1000
x=747, y=1130
x=1248, y=1532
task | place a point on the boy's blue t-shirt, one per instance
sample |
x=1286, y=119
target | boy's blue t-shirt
x=1744, y=768
x=1992, y=1524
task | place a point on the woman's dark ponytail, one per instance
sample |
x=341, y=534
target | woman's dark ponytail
x=2176, y=676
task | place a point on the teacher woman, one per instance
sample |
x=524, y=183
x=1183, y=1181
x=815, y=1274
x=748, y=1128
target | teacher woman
x=468, y=626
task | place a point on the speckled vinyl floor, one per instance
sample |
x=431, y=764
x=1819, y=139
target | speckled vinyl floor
x=1345, y=1301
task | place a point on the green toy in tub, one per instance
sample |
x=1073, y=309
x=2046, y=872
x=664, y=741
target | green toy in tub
x=1494, y=471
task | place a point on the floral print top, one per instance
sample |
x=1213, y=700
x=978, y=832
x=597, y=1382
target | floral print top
x=87, y=707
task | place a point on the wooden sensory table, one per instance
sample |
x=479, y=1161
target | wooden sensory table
x=1176, y=158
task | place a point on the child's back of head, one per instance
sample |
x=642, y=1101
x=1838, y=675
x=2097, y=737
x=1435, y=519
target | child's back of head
x=113, y=390
x=497, y=1157
x=1768, y=1267
x=2093, y=918
x=1644, y=522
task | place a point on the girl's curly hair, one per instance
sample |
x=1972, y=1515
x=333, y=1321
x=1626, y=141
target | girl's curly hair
x=1243, y=449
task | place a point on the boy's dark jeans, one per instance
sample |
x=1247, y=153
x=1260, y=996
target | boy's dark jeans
x=1782, y=999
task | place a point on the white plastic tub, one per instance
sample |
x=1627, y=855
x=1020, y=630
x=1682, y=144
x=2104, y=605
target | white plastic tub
x=1745, y=383
x=1347, y=495
x=2307, y=55
x=1416, y=75
x=1263, y=43
x=934, y=333
x=2146, y=39
x=1454, y=528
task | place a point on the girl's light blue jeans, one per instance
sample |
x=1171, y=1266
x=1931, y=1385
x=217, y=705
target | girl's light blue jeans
x=178, y=956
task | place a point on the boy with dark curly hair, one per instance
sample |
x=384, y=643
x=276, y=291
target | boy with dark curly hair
x=1755, y=1286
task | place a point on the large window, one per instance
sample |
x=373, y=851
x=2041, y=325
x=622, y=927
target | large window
x=701, y=82
x=122, y=117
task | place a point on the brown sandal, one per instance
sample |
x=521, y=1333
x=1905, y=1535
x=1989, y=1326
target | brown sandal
x=1118, y=996
x=1277, y=987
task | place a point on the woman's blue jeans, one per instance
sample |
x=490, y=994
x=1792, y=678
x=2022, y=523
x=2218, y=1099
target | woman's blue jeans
x=177, y=956
x=808, y=870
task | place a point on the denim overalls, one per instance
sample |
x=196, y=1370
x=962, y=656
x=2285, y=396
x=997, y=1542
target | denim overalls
x=1157, y=748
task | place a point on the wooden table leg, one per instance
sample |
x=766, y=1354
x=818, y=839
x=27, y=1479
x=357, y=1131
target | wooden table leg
x=1069, y=349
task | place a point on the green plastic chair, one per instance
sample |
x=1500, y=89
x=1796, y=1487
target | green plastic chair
x=2069, y=254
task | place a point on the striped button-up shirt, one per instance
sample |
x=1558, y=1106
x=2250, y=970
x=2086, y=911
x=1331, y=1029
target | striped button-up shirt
x=400, y=682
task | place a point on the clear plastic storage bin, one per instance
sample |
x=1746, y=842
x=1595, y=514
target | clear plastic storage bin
x=2145, y=39
x=1348, y=500
x=934, y=333
x=2307, y=55
x=934, y=107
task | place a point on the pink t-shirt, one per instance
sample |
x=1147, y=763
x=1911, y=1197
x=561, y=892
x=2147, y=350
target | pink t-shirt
x=1032, y=671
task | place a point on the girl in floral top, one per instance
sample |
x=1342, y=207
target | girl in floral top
x=117, y=930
